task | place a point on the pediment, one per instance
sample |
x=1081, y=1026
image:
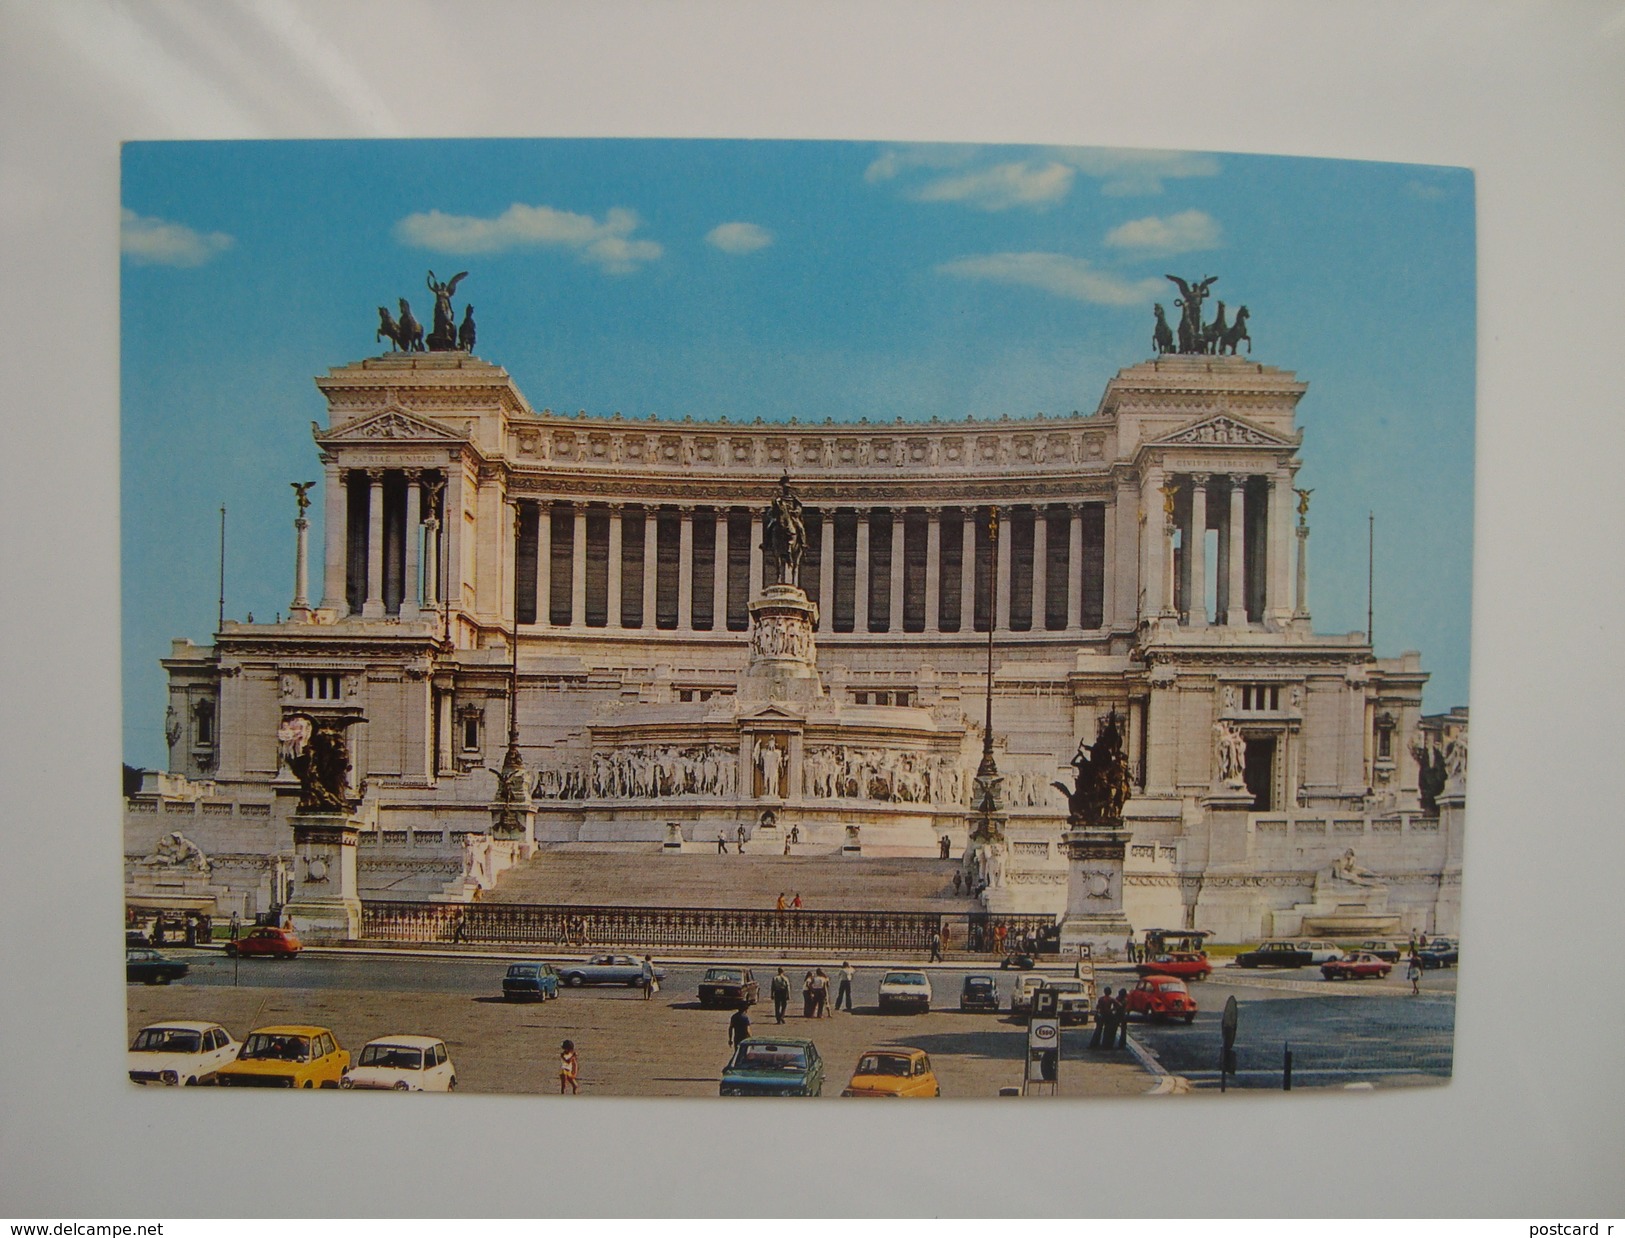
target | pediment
x=770, y=713
x=394, y=425
x=1221, y=430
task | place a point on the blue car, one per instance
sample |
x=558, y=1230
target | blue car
x=771, y=1066
x=536, y=982
x=606, y=969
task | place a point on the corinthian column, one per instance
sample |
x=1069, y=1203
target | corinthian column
x=1196, y=554
x=755, y=554
x=967, y=570
x=719, y=573
x=1002, y=580
x=412, y=583
x=826, y=570
x=685, y=570
x=1074, y=567
x=578, y=567
x=1040, y=605
x=933, y=568
x=894, y=618
x=1277, y=605
x=860, y=604
x=1236, y=615
x=612, y=610
x=544, y=562
x=651, y=535
x=373, y=607
x=300, y=607
x=335, y=537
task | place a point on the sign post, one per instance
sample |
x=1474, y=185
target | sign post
x=1043, y=1045
x=1227, y=1055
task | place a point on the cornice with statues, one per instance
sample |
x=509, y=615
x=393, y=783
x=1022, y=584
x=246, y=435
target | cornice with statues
x=818, y=491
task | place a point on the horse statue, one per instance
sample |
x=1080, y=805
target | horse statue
x=1213, y=333
x=1235, y=334
x=465, y=333
x=1103, y=785
x=784, y=535
x=1162, y=336
x=1190, y=304
x=388, y=329
x=409, y=334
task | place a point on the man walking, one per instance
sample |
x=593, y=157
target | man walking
x=780, y=989
x=741, y=837
x=646, y=978
x=1122, y=1018
x=739, y=1025
x=1413, y=973
x=843, y=991
x=1105, y=1021
x=722, y=842
x=936, y=948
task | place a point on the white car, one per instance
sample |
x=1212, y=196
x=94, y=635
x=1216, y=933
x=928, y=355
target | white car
x=180, y=1053
x=905, y=990
x=402, y=1064
x=1021, y=995
x=1320, y=952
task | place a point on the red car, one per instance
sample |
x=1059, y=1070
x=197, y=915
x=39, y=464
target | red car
x=1360, y=965
x=1186, y=964
x=273, y=943
x=1164, y=997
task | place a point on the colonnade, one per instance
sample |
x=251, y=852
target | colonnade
x=384, y=540
x=628, y=566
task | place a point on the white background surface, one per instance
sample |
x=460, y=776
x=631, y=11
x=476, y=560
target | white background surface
x=1530, y=96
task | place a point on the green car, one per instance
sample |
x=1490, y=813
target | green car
x=773, y=1066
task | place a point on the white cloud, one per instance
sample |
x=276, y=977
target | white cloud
x=1002, y=186
x=1126, y=172
x=159, y=242
x=608, y=244
x=1167, y=234
x=1060, y=274
x=739, y=238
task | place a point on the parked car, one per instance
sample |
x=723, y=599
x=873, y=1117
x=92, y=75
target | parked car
x=530, y=981
x=1162, y=997
x=1387, y=951
x=136, y=937
x=1361, y=965
x=180, y=1053
x=287, y=1056
x=1440, y=952
x=1075, y=999
x=265, y=942
x=728, y=986
x=892, y=1071
x=1021, y=996
x=1321, y=951
x=402, y=1064
x=150, y=967
x=1297, y=952
x=979, y=993
x=773, y=1066
x=905, y=990
x=606, y=969
x=1186, y=964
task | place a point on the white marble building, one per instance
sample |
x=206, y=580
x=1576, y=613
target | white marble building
x=1152, y=559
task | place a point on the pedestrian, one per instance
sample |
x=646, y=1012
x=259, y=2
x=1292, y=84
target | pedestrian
x=947, y=847
x=1413, y=973
x=795, y=903
x=1122, y=1018
x=1103, y=1012
x=947, y=936
x=795, y=834
x=958, y=882
x=236, y=925
x=569, y=1067
x=936, y=949
x=808, y=1001
x=780, y=989
x=821, y=1008
x=722, y=842
x=779, y=906
x=739, y=1025
x=999, y=934
x=1128, y=951
x=741, y=837
x=786, y=844
x=646, y=978
x=843, y=992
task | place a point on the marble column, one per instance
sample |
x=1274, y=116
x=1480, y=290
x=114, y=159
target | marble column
x=1236, y=615
x=1196, y=554
x=933, y=568
x=651, y=533
x=578, y=567
x=1074, y=568
x=431, y=561
x=860, y=592
x=1277, y=603
x=412, y=584
x=826, y=570
x=612, y=604
x=1040, y=569
x=1300, y=610
x=719, y=573
x=300, y=606
x=894, y=620
x=1002, y=581
x=544, y=562
x=967, y=570
x=335, y=536
x=373, y=607
x=685, y=570
x=755, y=555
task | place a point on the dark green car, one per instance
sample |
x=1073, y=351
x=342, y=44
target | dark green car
x=774, y=1066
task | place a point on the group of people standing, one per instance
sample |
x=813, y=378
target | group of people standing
x=1111, y=1020
x=815, y=1003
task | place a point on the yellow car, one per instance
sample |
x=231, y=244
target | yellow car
x=287, y=1057
x=893, y=1072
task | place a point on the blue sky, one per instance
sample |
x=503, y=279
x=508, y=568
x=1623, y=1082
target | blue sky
x=775, y=279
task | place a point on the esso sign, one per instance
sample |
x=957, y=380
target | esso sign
x=1045, y=1033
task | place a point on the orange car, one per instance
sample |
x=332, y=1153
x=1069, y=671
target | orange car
x=293, y=1056
x=893, y=1072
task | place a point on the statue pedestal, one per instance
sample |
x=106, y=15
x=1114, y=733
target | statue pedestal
x=783, y=657
x=325, y=906
x=1094, y=892
x=1338, y=909
x=673, y=844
